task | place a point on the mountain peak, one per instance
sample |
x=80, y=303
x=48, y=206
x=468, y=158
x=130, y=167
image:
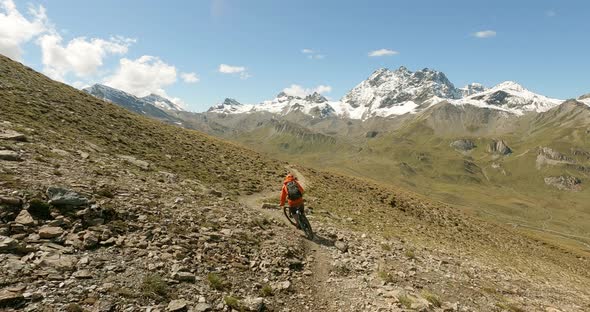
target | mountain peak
x=316, y=98
x=510, y=85
x=231, y=102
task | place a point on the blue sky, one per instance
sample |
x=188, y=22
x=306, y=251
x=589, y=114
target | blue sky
x=157, y=46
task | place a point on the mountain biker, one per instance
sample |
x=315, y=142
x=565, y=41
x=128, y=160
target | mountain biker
x=293, y=191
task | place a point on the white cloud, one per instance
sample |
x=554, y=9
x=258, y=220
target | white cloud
x=189, y=77
x=485, y=34
x=383, y=52
x=15, y=29
x=321, y=89
x=81, y=56
x=299, y=91
x=313, y=54
x=228, y=69
x=316, y=56
x=140, y=77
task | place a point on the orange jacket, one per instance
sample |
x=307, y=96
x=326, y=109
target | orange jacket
x=284, y=193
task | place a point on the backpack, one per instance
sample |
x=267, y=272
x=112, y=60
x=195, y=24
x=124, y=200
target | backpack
x=293, y=191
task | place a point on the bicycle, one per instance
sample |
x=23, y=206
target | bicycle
x=303, y=222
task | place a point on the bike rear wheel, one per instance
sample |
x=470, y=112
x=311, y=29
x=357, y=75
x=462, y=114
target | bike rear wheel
x=305, y=226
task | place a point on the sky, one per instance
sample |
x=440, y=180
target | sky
x=199, y=52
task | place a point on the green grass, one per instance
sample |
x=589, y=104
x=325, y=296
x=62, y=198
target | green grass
x=154, y=287
x=215, y=281
x=386, y=277
x=410, y=254
x=432, y=298
x=266, y=290
x=233, y=302
x=405, y=301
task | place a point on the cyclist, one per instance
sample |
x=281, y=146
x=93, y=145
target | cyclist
x=293, y=192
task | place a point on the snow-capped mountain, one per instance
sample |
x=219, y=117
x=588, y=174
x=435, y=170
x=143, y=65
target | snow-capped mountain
x=314, y=104
x=388, y=93
x=227, y=106
x=125, y=99
x=511, y=97
x=386, y=88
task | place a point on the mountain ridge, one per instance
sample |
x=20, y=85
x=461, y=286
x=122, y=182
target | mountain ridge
x=387, y=93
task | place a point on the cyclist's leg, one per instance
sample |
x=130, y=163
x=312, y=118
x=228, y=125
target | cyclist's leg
x=293, y=210
x=301, y=208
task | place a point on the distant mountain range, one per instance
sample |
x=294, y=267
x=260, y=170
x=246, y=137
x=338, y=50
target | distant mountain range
x=385, y=93
x=389, y=93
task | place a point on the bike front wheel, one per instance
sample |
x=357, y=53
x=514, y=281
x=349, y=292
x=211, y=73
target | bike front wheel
x=305, y=226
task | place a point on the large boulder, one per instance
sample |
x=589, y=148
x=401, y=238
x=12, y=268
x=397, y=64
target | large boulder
x=9, y=155
x=9, y=299
x=12, y=135
x=144, y=165
x=564, y=183
x=63, y=197
x=49, y=232
x=499, y=147
x=178, y=305
x=24, y=218
x=463, y=145
x=8, y=244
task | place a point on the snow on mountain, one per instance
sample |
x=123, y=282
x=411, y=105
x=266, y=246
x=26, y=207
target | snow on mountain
x=388, y=93
x=398, y=92
x=511, y=97
x=585, y=99
x=472, y=89
x=229, y=106
x=314, y=104
x=125, y=99
x=162, y=102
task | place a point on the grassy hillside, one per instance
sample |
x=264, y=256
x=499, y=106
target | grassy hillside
x=416, y=153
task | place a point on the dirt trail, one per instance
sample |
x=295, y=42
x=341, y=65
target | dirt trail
x=317, y=253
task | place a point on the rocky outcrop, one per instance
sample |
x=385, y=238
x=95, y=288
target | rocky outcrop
x=565, y=183
x=552, y=154
x=59, y=196
x=499, y=147
x=371, y=134
x=11, y=135
x=549, y=156
x=463, y=145
x=9, y=155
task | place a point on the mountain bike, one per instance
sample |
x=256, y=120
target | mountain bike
x=303, y=222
